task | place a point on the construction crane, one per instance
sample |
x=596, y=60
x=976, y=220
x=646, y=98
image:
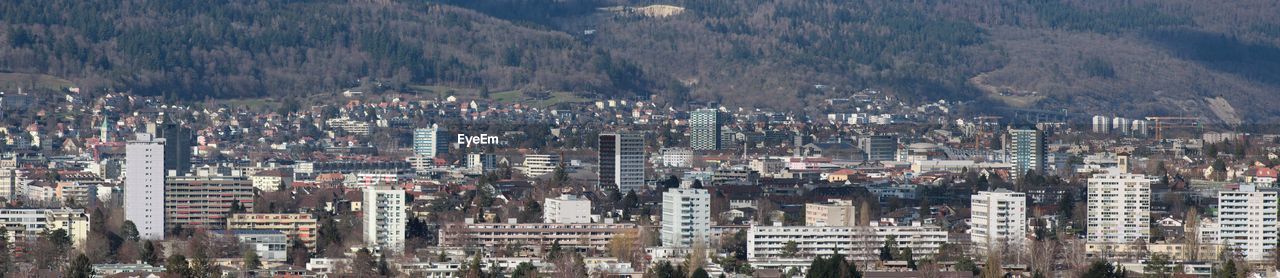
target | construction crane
x=1162, y=123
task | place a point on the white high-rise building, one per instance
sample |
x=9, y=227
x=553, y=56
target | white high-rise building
x=12, y=180
x=1247, y=221
x=622, y=161
x=566, y=209
x=144, y=185
x=1027, y=151
x=1120, y=125
x=704, y=129
x=1139, y=128
x=1119, y=208
x=1101, y=124
x=686, y=217
x=999, y=220
x=384, y=218
x=431, y=141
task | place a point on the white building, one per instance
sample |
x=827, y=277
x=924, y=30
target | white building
x=833, y=213
x=536, y=165
x=481, y=162
x=766, y=245
x=12, y=180
x=271, y=180
x=1247, y=221
x=384, y=218
x=566, y=209
x=1027, y=151
x=534, y=238
x=348, y=125
x=1101, y=124
x=999, y=220
x=686, y=217
x=430, y=142
x=144, y=185
x=27, y=224
x=622, y=161
x=1139, y=127
x=1120, y=125
x=270, y=245
x=677, y=157
x=1119, y=208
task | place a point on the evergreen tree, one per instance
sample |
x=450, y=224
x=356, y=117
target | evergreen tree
x=1228, y=270
x=177, y=265
x=699, y=273
x=298, y=253
x=886, y=251
x=554, y=252
x=384, y=268
x=149, y=253
x=364, y=264
x=1101, y=269
x=665, y=270
x=251, y=260
x=967, y=264
x=1157, y=265
x=834, y=266
x=911, y=261
x=80, y=267
x=472, y=269
x=525, y=270
x=790, y=249
x=236, y=207
x=129, y=231
x=329, y=234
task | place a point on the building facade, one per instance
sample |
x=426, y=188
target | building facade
x=999, y=220
x=144, y=191
x=767, y=245
x=880, y=148
x=536, y=165
x=430, y=142
x=270, y=245
x=481, y=162
x=677, y=157
x=566, y=209
x=1119, y=208
x=621, y=161
x=205, y=202
x=384, y=218
x=1247, y=221
x=704, y=129
x=1026, y=149
x=177, y=147
x=295, y=225
x=12, y=179
x=534, y=238
x=841, y=213
x=686, y=217
x=27, y=224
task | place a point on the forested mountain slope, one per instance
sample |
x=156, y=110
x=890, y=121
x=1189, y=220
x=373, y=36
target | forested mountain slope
x=1129, y=58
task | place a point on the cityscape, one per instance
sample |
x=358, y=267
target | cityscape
x=639, y=138
x=119, y=185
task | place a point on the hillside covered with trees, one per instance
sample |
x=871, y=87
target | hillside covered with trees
x=1127, y=58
